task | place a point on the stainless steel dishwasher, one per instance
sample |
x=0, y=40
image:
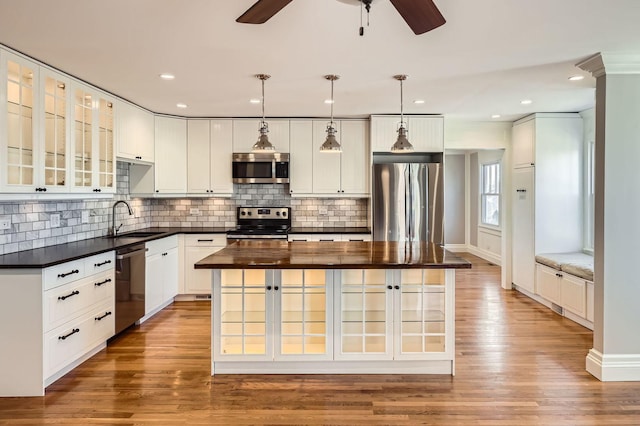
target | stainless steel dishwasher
x=130, y=280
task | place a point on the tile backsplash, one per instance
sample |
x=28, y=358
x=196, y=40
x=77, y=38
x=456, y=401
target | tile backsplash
x=31, y=225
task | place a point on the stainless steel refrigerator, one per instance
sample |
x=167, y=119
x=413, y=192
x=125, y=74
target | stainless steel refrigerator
x=408, y=202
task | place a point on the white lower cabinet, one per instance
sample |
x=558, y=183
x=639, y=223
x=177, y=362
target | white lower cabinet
x=339, y=321
x=52, y=319
x=572, y=293
x=197, y=247
x=161, y=282
x=394, y=314
x=265, y=316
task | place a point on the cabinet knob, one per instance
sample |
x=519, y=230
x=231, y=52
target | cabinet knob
x=157, y=190
x=397, y=287
x=268, y=287
x=275, y=288
x=389, y=287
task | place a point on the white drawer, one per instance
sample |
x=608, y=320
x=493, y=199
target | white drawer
x=314, y=237
x=99, y=263
x=356, y=237
x=69, y=342
x=161, y=245
x=66, y=302
x=205, y=240
x=55, y=276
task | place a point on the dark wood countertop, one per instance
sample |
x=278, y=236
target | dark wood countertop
x=331, y=255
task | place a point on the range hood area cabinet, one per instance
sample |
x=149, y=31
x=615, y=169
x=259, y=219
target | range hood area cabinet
x=425, y=132
x=329, y=174
x=245, y=134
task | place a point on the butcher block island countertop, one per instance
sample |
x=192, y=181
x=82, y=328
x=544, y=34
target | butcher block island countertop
x=332, y=255
x=332, y=308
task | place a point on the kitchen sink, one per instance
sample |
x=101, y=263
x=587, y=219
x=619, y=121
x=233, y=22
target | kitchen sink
x=134, y=234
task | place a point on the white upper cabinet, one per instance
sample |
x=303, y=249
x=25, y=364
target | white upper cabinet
x=59, y=133
x=170, y=155
x=135, y=133
x=209, y=157
x=246, y=131
x=301, y=157
x=92, y=140
x=341, y=173
x=523, y=144
x=426, y=133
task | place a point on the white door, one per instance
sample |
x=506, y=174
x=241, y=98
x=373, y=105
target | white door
x=154, y=287
x=523, y=144
x=354, y=164
x=426, y=134
x=170, y=274
x=245, y=134
x=220, y=161
x=384, y=132
x=523, y=228
x=326, y=165
x=171, y=155
x=197, y=281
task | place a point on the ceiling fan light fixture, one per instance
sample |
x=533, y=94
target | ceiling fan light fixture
x=263, y=143
x=331, y=144
x=402, y=144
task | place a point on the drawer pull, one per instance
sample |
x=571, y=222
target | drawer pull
x=326, y=240
x=108, y=280
x=353, y=239
x=73, y=293
x=75, y=271
x=74, y=331
x=106, y=262
x=101, y=317
x=205, y=241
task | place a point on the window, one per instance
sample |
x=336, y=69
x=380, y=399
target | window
x=490, y=198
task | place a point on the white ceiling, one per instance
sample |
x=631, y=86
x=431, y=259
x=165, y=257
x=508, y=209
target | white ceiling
x=487, y=57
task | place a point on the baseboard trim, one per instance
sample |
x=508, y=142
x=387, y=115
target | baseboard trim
x=613, y=367
x=456, y=248
x=486, y=255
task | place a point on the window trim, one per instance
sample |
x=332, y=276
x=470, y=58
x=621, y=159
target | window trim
x=482, y=194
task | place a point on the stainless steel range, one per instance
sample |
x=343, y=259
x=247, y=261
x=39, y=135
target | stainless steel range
x=261, y=223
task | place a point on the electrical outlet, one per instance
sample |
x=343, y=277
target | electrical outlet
x=135, y=213
x=54, y=220
x=194, y=212
x=5, y=223
x=85, y=216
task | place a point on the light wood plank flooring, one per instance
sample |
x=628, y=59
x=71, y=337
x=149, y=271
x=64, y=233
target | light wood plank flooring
x=517, y=363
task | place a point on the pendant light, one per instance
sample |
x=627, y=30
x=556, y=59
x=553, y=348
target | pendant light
x=402, y=144
x=263, y=143
x=331, y=144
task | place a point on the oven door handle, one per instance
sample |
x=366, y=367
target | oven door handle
x=131, y=254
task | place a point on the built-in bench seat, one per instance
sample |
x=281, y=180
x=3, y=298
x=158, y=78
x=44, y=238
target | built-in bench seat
x=564, y=281
x=578, y=264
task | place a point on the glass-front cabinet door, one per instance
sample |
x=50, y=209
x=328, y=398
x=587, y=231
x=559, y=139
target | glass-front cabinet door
x=243, y=299
x=18, y=125
x=55, y=130
x=421, y=305
x=83, y=123
x=106, y=148
x=303, y=318
x=364, y=327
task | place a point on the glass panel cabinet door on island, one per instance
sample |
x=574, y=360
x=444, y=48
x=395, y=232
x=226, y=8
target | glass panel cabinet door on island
x=243, y=314
x=302, y=320
x=420, y=319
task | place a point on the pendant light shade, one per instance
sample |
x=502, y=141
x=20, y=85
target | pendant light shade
x=402, y=144
x=263, y=143
x=331, y=144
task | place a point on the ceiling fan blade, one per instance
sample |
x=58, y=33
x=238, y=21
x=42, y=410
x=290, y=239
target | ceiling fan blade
x=420, y=15
x=262, y=11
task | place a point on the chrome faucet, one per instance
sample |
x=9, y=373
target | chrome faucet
x=114, y=229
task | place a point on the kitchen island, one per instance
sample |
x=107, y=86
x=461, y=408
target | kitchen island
x=332, y=307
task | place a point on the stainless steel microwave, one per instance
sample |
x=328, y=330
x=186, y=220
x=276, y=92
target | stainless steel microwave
x=262, y=167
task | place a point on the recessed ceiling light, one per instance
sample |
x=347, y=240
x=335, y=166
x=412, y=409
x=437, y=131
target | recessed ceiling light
x=526, y=102
x=166, y=76
x=576, y=77
x=254, y=101
x=496, y=116
x=328, y=101
x=180, y=105
x=418, y=101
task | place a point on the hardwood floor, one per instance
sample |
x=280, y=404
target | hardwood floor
x=517, y=363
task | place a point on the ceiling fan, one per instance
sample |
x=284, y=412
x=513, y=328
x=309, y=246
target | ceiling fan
x=420, y=15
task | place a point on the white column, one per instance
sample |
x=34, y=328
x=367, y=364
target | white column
x=615, y=355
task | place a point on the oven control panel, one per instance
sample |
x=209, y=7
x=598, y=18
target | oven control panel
x=263, y=212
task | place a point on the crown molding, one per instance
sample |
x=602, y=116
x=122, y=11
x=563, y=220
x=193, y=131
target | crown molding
x=611, y=63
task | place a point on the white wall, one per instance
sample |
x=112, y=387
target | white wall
x=454, y=202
